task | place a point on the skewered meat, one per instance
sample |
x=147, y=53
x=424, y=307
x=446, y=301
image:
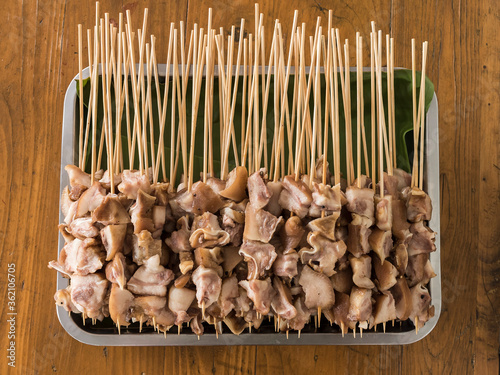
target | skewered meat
x=363, y=181
x=292, y=232
x=257, y=190
x=83, y=228
x=151, y=279
x=121, y=302
x=357, y=239
x=79, y=258
x=273, y=205
x=63, y=299
x=117, y=271
x=381, y=243
x=66, y=202
x=403, y=299
x=295, y=197
x=400, y=258
x=302, y=316
x=361, y=271
x=418, y=203
x=236, y=185
x=88, y=292
x=207, y=232
x=179, y=240
x=233, y=223
x=325, y=225
x=400, y=226
x=78, y=180
x=261, y=292
x=383, y=212
x=360, y=305
x=421, y=301
x=229, y=293
x=419, y=270
x=391, y=185
x=90, y=200
x=231, y=259
x=106, y=181
x=182, y=203
x=285, y=264
x=386, y=274
x=216, y=184
x=260, y=225
x=113, y=239
x=132, y=182
x=360, y=202
x=403, y=177
x=179, y=301
x=282, y=301
x=384, y=308
x=145, y=247
x=161, y=190
x=259, y=257
x=209, y=258
x=422, y=241
x=341, y=312
x=186, y=262
x=317, y=288
x=111, y=212
x=208, y=286
x=342, y=280
x=142, y=212
x=327, y=198
x=235, y=324
x=324, y=253
x=205, y=199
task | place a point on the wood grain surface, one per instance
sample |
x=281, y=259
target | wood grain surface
x=38, y=44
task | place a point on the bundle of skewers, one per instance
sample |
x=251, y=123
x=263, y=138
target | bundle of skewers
x=269, y=231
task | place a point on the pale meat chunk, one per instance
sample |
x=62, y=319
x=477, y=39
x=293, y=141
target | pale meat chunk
x=317, y=288
x=231, y=259
x=391, y=185
x=260, y=225
x=83, y=228
x=383, y=212
x=302, y=316
x=259, y=257
x=186, y=262
x=236, y=185
x=357, y=239
x=381, y=243
x=421, y=301
x=141, y=212
x=384, y=309
x=121, y=302
x=418, y=204
x=403, y=299
x=151, y=279
x=79, y=258
x=117, y=271
x=179, y=301
x=386, y=274
x=324, y=253
x=208, y=286
x=132, y=182
x=261, y=292
x=113, y=239
x=144, y=247
x=111, y=212
x=63, y=299
x=282, y=301
x=235, y=324
x=342, y=280
x=88, y=292
x=78, y=180
x=205, y=199
x=360, y=202
x=273, y=206
x=400, y=225
x=90, y=200
x=419, y=270
x=216, y=184
x=196, y=325
x=257, y=190
x=422, y=241
x=179, y=239
x=106, y=181
x=182, y=203
x=207, y=232
x=242, y=304
x=234, y=229
x=327, y=198
x=360, y=307
x=229, y=293
x=363, y=181
x=209, y=258
x=400, y=258
x=325, y=226
x=341, y=312
x=66, y=201
x=285, y=264
x=296, y=196
x=162, y=191
x=159, y=216
x=291, y=233
x=361, y=271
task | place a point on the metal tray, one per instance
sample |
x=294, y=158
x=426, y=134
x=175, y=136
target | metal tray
x=107, y=335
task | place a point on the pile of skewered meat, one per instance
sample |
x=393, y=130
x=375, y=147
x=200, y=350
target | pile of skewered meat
x=245, y=249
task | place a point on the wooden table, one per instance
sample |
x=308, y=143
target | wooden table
x=39, y=58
